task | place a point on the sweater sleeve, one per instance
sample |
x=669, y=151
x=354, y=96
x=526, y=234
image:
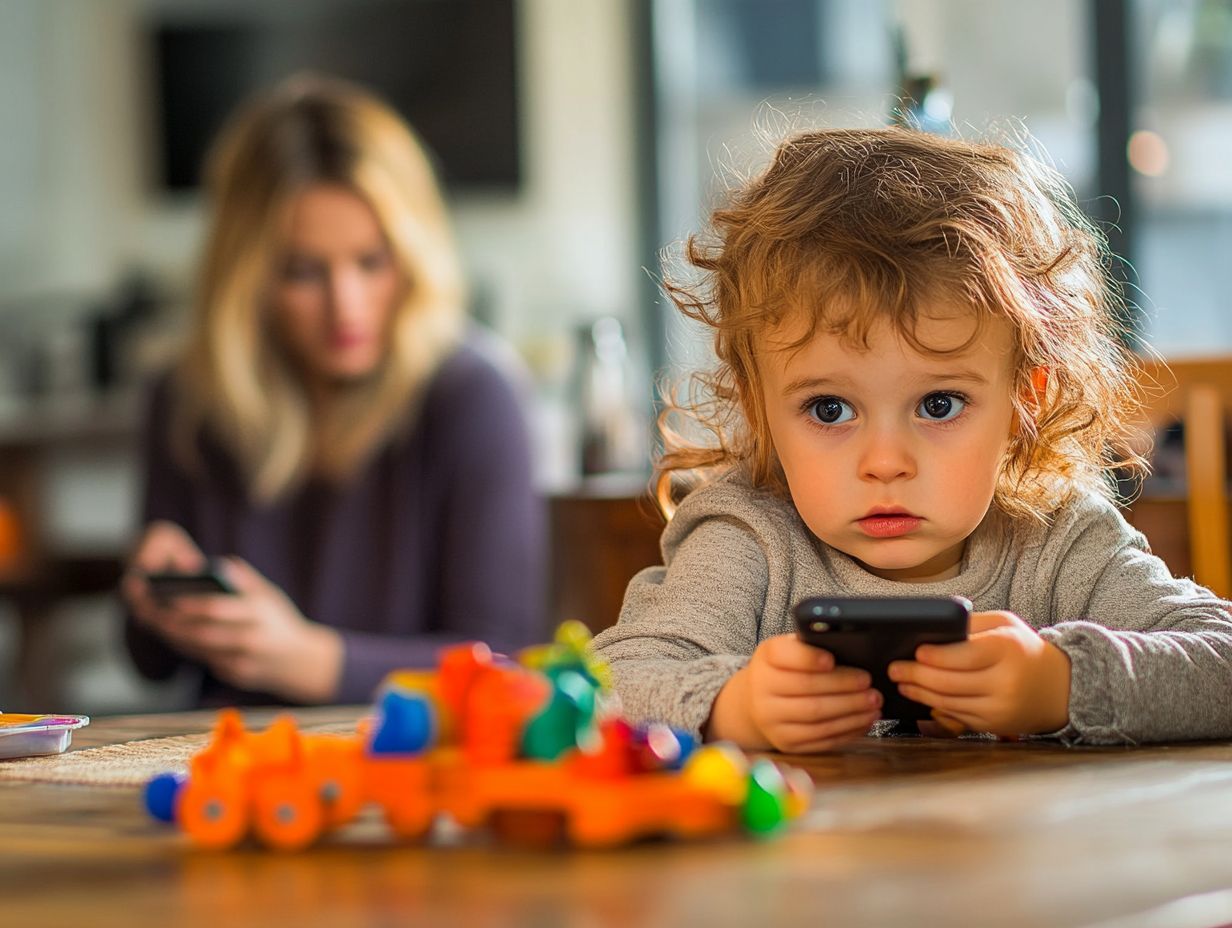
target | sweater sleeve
x=492, y=532
x=686, y=627
x=1151, y=654
x=166, y=495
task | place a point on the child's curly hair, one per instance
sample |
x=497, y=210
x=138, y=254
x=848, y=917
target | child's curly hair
x=854, y=226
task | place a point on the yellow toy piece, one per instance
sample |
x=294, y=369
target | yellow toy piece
x=720, y=769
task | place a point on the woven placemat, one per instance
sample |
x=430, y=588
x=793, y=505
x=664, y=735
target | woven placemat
x=129, y=764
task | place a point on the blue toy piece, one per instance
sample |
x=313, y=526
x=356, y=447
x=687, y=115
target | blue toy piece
x=408, y=724
x=160, y=795
x=688, y=744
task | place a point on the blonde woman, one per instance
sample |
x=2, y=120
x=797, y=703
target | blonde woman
x=333, y=430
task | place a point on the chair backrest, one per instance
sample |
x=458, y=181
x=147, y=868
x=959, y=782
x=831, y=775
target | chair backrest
x=599, y=541
x=1197, y=392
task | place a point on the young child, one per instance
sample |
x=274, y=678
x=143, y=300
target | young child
x=919, y=389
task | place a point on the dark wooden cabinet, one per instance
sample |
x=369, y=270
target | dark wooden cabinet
x=599, y=541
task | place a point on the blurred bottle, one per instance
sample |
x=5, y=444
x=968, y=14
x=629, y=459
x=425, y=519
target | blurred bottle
x=924, y=103
x=111, y=329
x=613, y=436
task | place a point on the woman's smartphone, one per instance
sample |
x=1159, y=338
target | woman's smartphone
x=870, y=632
x=167, y=585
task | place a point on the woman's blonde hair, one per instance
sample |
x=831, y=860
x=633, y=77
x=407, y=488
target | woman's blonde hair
x=850, y=227
x=236, y=380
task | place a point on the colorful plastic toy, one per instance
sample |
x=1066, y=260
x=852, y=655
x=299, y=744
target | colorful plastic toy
x=533, y=750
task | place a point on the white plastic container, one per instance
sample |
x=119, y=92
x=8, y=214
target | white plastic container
x=31, y=735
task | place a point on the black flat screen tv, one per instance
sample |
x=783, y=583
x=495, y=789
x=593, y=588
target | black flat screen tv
x=448, y=66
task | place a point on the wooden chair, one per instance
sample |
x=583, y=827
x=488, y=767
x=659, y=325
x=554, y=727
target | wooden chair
x=1196, y=392
x=601, y=536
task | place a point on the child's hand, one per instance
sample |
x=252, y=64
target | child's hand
x=791, y=698
x=1004, y=678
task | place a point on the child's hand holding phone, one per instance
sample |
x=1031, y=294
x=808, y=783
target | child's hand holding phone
x=1004, y=678
x=790, y=697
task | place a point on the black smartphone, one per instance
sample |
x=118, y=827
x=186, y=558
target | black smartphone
x=167, y=585
x=870, y=632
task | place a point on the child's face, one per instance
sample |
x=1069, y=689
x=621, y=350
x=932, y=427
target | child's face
x=892, y=456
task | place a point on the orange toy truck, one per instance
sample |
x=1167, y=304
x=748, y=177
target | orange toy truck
x=532, y=750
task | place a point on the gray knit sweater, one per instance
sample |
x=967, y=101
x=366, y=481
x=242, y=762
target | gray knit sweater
x=1151, y=655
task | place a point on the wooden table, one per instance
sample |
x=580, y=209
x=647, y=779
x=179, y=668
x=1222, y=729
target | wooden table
x=903, y=831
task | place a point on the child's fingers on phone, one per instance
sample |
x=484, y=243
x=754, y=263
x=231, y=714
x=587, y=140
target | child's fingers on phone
x=960, y=722
x=987, y=621
x=814, y=709
x=956, y=706
x=839, y=680
x=824, y=746
x=950, y=682
x=973, y=654
x=787, y=652
x=816, y=737
x=952, y=726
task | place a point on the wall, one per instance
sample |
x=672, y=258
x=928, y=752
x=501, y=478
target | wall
x=76, y=172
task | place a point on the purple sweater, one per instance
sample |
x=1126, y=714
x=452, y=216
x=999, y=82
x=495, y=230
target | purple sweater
x=440, y=538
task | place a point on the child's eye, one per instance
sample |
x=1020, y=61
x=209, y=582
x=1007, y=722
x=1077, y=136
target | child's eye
x=831, y=410
x=941, y=407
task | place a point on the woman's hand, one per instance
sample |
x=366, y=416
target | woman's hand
x=1004, y=678
x=790, y=697
x=164, y=547
x=255, y=639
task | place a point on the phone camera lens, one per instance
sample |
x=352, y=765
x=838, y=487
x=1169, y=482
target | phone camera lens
x=834, y=610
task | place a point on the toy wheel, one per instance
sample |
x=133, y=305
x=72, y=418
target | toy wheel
x=161, y=793
x=288, y=814
x=339, y=785
x=214, y=815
